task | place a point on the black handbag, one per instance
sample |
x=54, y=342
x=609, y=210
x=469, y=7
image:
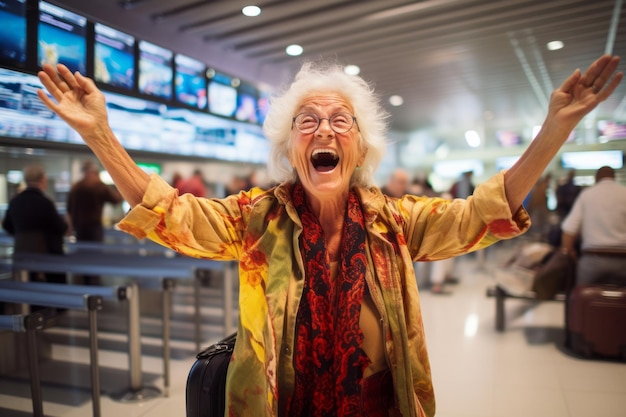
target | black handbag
x=206, y=383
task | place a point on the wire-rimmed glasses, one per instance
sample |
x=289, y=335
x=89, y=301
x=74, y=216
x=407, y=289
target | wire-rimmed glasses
x=309, y=122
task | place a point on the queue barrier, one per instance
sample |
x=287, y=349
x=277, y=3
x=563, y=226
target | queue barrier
x=501, y=295
x=148, y=271
x=27, y=295
x=29, y=324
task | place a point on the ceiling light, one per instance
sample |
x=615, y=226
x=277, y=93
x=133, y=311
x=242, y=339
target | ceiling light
x=294, y=50
x=352, y=69
x=251, y=11
x=473, y=138
x=554, y=45
x=396, y=100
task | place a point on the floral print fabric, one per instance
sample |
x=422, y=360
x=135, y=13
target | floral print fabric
x=261, y=228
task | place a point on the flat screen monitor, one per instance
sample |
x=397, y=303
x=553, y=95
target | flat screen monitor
x=114, y=57
x=155, y=70
x=505, y=162
x=15, y=177
x=611, y=130
x=263, y=105
x=247, y=105
x=13, y=32
x=508, y=138
x=61, y=37
x=453, y=169
x=222, y=94
x=190, y=82
x=592, y=159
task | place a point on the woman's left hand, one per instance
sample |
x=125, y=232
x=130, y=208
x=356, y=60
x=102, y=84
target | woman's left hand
x=581, y=93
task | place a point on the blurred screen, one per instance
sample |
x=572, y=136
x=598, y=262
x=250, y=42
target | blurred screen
x=23, y=115
x=114, y=57
x=454, y=168
x=191, y=82
x=611, y=130
x=155, y=70
x=263, y=105
x=13, y=31
x=61, y=37
x=222, y=95
x=508, y=138
x=247, y=104
x=505, y=162
x=592, y=159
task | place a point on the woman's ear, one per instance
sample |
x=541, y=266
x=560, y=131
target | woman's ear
x=362, y=156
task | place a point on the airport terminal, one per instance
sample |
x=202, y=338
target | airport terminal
x=107, y=304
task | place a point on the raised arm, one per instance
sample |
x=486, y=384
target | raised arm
x=78, y=101
x=576, y=97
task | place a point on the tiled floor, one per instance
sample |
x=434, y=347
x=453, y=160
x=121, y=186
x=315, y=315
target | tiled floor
x=477, y=371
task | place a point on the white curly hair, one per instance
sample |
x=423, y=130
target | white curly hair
x=371, y=118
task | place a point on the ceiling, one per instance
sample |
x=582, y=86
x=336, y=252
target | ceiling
x=458, y=64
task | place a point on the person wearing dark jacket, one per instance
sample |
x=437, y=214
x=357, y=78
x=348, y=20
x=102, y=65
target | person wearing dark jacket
x=34, y=221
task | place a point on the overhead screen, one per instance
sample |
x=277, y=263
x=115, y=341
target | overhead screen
x=114, y=57
x=155, y=70
x=61, y=37
x=13, y=32
x=592, y=159
x=139, y=124
x=190, y=82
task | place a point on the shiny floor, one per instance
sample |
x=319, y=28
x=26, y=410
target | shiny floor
x=477, y=371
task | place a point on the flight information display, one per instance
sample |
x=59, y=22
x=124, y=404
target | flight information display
x=114, y=57
x=61, y=37
x=190, y=82
x=155, y=70
x=13, y=32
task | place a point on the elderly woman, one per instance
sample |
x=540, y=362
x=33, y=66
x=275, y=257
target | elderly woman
x=330, y=320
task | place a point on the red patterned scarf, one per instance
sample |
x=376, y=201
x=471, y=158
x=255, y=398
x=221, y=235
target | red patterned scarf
x=329, y=360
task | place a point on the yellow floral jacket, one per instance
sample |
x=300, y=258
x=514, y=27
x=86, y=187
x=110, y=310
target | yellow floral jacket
x=260, y=229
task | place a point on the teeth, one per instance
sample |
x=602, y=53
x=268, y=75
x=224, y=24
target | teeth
x=319, y=151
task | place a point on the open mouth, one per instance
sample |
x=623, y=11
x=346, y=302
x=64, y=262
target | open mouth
x=324, y=160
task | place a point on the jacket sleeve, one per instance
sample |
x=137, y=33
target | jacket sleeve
x=194, y=226
x=437, y=228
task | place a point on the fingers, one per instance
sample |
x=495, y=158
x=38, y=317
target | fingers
x=599, y=72
x=607, y=90
x=600, y=83
x=48, y=78
x=85, y=83
x=66, y=79
x=571, y=81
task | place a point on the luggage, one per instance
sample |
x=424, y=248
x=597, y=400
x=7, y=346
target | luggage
x=206, y=383
x=596, y=321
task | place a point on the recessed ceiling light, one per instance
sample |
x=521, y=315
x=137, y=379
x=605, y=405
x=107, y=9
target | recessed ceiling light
x=294, y=50
x=396, y=100
x=251, y=11
x=554, y=45
x=352, y=69
x=472, y=138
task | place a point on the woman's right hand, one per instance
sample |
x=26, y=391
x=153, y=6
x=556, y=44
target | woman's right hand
x=77, y=100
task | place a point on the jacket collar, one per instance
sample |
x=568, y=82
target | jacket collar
x=372, y=199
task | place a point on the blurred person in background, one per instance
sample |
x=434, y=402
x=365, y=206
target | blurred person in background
x=566, y=194
x=34, y=222
x=194, y=185
x=85, y=206
x=397, y=184
x=597, y=224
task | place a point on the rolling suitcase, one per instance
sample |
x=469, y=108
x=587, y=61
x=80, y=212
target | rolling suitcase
x=206, y=383
x=596, y=321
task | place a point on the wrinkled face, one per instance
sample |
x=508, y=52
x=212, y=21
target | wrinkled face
x=325, y=160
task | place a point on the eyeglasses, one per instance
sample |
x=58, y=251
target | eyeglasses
x=310, y=122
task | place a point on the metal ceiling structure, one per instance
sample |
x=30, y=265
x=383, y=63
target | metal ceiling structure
x=458, y=64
